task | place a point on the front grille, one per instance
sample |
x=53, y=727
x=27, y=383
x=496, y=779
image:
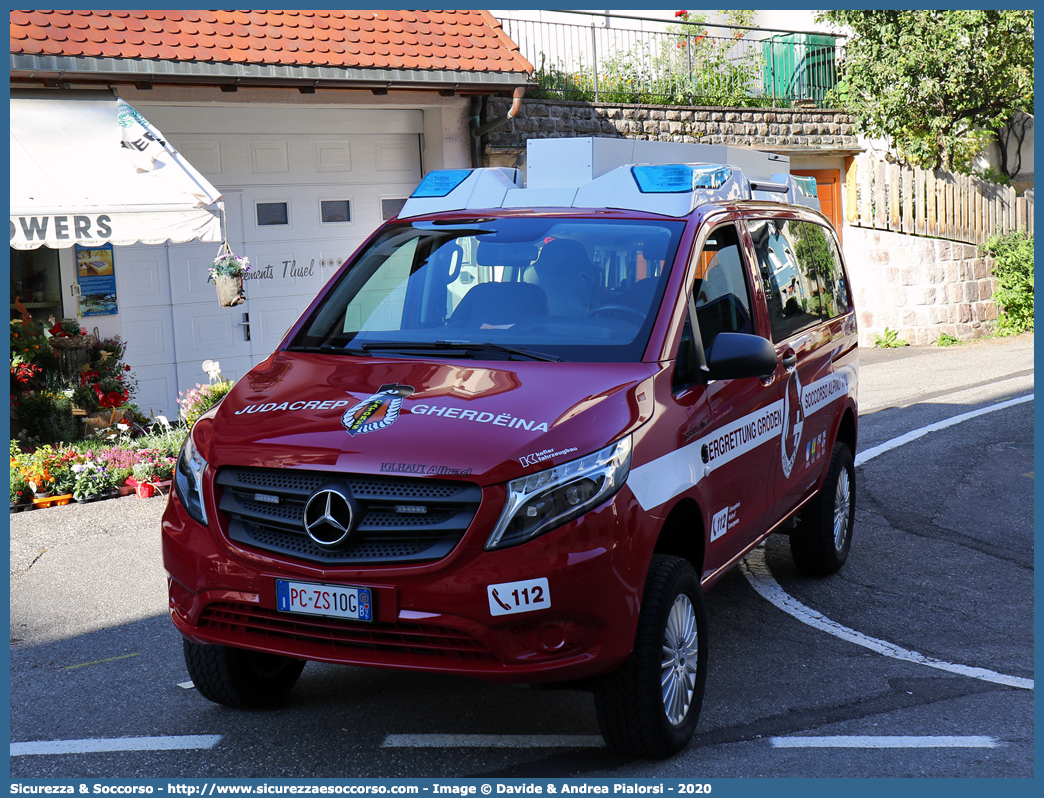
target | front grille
x=317, y=634
x=275, y=523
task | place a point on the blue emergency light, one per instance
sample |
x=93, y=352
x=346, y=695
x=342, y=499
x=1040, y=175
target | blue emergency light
x=805, y=184
x=676, y=178
x=440, y=182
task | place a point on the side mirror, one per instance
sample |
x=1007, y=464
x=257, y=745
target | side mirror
x=686, y=369
x=736, y=356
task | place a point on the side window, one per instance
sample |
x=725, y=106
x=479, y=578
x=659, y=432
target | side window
x=831, y=274
x=789, y=274
x=720, y=290
x=819, y=248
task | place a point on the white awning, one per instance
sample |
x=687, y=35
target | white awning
x=92, y=171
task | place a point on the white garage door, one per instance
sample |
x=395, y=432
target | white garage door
x=302, y=188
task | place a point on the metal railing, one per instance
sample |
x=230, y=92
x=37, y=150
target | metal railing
x=679, y=63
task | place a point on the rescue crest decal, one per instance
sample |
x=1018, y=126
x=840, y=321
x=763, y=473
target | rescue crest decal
x=377, y=411
x=793, y=422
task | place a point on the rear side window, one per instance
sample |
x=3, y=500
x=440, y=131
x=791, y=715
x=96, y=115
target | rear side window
x=801, y=271
x=833, y=273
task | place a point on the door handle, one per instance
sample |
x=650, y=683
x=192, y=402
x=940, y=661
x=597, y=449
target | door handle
x=789, y=361
x=246, y=324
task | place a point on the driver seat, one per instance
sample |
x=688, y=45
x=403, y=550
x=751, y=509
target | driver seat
x=562, y=269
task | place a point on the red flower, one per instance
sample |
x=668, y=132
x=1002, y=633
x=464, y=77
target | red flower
x=113, y=399
x=682, y=14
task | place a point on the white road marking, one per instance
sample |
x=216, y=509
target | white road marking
x=95, y=746
x=894, y=443
x=493, y=741
x=760, y=578
x=884, y=742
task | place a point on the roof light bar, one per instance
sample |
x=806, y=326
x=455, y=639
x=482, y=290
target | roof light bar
x=678, y=178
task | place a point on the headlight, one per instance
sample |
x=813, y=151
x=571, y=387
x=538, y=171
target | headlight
x=538, y=503
x=188, y=480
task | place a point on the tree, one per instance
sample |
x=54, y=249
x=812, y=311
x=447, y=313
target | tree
x=939, y=84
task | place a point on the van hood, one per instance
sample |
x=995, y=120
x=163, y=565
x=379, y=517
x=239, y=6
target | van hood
x=460, y=419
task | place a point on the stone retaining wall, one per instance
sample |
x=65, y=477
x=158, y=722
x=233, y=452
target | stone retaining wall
x=919, y=287
x=768, y=128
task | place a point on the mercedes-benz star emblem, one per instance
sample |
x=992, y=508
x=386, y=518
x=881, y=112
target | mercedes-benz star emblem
x=328, y=517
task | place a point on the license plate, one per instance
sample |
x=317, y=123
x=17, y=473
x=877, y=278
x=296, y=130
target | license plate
x=509, y=598
x=332, y=601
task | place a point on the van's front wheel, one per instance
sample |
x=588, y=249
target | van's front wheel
x=650, y=706
x=240, y=678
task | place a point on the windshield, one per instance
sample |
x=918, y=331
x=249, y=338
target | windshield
x=569, y=289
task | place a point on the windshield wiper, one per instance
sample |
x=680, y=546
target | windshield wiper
x=331, y=349
x=465, y=347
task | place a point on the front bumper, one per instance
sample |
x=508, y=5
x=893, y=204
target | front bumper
x=432, y=616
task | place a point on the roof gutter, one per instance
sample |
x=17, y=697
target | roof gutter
x=155, y=72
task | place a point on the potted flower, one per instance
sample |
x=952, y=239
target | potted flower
x=227, y=271
x=144, y=472
x=121, y=478
x=20, y=492
x=93, y=481
x=164, y=473
x=68, y=334
x=50, y=475
x=64, y=481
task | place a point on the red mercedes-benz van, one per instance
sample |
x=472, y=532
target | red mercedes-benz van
x=523, y=429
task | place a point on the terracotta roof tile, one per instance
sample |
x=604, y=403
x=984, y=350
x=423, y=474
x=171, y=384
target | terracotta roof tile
x=451, y=40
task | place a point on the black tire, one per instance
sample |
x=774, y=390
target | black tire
x=240, y=678
x=632, y=708
x=823, y=537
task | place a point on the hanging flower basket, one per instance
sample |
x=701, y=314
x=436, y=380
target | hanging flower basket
x=227, y=271
x=65, y=343
x=229, y=290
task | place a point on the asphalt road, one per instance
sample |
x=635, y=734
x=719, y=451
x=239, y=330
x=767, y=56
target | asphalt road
x=941, y=567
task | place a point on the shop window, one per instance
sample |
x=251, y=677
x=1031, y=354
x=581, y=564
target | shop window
x=36, y=283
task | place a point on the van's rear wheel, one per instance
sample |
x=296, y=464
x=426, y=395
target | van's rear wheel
x=240, y=678
x=820, y=543
x=650, y=706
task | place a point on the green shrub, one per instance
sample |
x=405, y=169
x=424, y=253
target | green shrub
x=46, y=417
x=889, y=340
x=1013, y=268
